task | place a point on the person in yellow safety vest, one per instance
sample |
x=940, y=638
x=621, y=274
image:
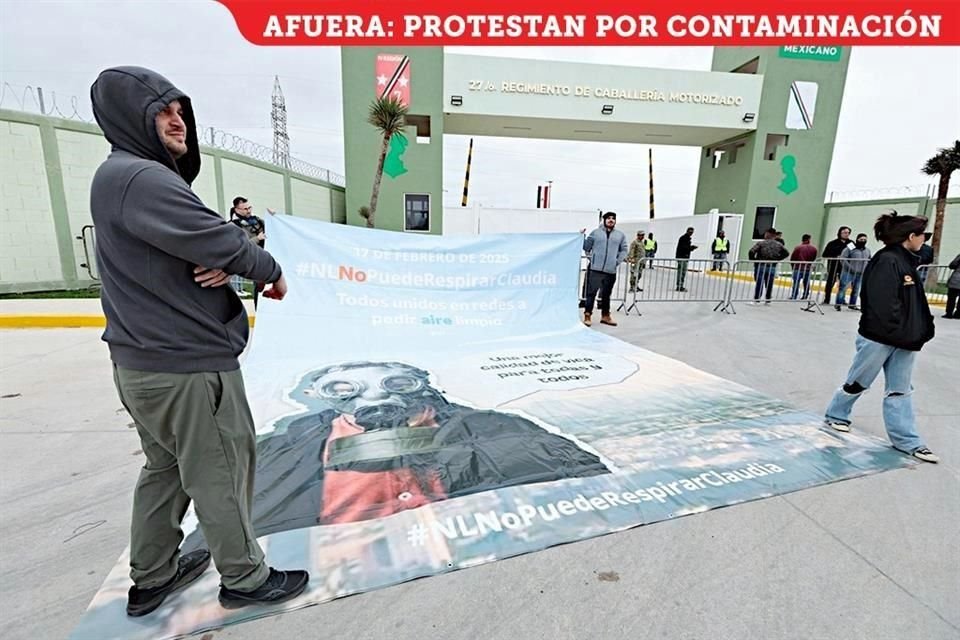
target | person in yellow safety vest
x=720, y=248
x=650, y=249
x=635, y=259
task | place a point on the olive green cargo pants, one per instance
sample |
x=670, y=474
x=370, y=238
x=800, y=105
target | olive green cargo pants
x=199, y=440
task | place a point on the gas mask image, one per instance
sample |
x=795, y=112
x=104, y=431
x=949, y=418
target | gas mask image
x=376, y=438
x=377, y=395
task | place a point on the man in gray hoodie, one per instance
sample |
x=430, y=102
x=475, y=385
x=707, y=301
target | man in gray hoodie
x=174, y=333
x=607, y=247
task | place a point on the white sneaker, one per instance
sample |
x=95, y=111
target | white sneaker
x=926, y=455
x=836, y=425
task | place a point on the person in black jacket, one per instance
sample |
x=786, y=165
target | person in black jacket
x=831, y=253
x=685, y=247
x=926, y=256
x=895, y=323
x=953, y=290
x=241, y=214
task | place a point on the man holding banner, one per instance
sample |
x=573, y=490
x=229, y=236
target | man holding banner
x=606, y=248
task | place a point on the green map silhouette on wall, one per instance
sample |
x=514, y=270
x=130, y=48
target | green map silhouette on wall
x=393, y=163
x=789, y=184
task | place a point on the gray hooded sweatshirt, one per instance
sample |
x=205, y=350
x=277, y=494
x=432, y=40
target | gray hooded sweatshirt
x=152, y=230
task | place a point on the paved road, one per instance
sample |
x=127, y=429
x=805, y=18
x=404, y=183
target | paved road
x=874, y=558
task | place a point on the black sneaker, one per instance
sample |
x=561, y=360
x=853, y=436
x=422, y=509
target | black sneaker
x=853, y=307
x=838, y=307
x=140, y=602
x=279, y=587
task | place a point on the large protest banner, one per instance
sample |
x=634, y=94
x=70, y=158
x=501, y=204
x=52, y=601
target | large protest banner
x=428, y=403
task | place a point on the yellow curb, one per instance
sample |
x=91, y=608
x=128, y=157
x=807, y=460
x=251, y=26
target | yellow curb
x=744, y=277
x=57, y=321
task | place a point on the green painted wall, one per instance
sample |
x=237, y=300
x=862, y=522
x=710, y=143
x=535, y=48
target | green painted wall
x=950, y=242
x=861, y=215
x=46, y=165
x=753, y=180
x=31, y=246
x=424, y=162
x=726, y=187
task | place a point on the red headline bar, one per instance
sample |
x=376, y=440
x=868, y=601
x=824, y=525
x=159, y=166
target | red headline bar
x=597, y=22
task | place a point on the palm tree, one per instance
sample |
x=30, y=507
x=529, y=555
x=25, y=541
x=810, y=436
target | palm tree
x=388, y=116
x=943, y=164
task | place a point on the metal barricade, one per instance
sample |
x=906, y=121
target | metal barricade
x=769, y=281
x=88, y=239
x=759, y=282
x=616, y=296
x=842, y=278
x=934, y=278
x=673, y=280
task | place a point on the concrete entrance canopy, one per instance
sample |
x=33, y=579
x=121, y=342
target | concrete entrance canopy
x=765, y=159
x=591, y=102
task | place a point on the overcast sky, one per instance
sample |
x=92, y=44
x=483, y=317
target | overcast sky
x=900, y=104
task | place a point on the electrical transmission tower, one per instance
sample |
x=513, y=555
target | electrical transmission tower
x=278, y=116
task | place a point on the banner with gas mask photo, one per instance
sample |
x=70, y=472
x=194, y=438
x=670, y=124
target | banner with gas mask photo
x=427, y=403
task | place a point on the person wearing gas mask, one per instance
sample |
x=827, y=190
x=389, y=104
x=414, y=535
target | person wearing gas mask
x=378, y=439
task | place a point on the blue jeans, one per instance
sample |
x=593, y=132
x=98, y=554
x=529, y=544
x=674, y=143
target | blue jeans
x=851, y=280
x=897, y=365
x=801, y=275
x=764, y=273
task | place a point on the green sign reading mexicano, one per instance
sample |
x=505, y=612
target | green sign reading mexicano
x=829, y=54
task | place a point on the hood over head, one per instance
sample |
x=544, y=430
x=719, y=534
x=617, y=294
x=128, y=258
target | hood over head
x=126, y=101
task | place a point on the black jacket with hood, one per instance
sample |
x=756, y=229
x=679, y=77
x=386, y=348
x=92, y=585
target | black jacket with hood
x=835, y=247
x=152, y=231
x=894, y=306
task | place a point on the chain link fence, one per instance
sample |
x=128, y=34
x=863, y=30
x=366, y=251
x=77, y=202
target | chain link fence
x=927, y=191
x=219, y=139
